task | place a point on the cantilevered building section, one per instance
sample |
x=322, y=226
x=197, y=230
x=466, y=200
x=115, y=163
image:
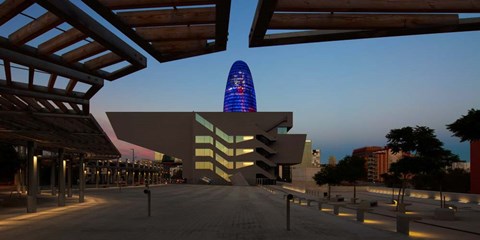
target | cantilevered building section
x=235, y=148
x=240, y=93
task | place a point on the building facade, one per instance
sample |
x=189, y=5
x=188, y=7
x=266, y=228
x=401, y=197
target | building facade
x=236, y=148
x=240, y=92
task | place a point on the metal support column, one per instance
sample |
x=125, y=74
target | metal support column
x=61, y=178
x=69, y=178
x=32, y=178
x=81, y=174
x=52, y=178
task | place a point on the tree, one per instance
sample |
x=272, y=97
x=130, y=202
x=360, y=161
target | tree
x=467, y=128
x=327, y=175
x=352, y=169
x=427, y=157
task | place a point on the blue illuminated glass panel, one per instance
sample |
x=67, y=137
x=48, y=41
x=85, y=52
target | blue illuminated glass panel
x=240, y=93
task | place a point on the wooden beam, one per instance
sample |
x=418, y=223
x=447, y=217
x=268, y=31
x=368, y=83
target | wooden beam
x=210, y=48
x=222, y=14
x=83, y=52
x=92, y=91
x=61, y=41
x=51, y=82
x=71, y=86
x=47, y=105
x=6, y=104
x=83, y=22
x=40, y=92
x=8, y=71
x=154, y=18
x=103, y=61
x=10, y=8
x=457, y=6
x=129, y=4
x=31, y=76
x=111, y=17
x=180, y=46
x=469, y=24
x=359, y=21
x=262, y=17
x=155, y=34
x=31, y=103
x=61, y=106
x=35, y=28
x=18, y=104
x=75, y=108
x=48, y=66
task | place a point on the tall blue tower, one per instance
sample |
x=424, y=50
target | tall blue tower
x=240, y=93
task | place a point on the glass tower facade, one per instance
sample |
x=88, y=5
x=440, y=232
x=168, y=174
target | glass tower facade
x=240, y=93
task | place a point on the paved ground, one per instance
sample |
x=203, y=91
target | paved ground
x=465, y=226
x=181, y=212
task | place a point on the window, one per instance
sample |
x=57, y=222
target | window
x=222, y=174
x=203, y=152
x=204, y=165
x=204, y=139
x=223, y=135
x=243, y=164
x=224, y=149
x=204, y=122
x=243, y=138
x=282, y=130
x=223, y=161
x=242, y=151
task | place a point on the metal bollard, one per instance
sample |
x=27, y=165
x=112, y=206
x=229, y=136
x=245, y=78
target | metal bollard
x=289, y=197
x=149, y=195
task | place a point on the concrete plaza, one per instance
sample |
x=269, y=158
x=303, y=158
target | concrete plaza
x=180, y=212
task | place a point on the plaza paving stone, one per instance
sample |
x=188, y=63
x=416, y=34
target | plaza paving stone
x=181, y=212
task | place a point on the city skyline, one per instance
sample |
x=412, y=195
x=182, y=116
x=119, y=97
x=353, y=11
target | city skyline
x=344, y=95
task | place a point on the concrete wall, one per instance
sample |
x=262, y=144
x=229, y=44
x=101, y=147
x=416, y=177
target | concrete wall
x=449, y=196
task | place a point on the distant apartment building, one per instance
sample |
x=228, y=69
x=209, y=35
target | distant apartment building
x=378, y=160
x=461, y=165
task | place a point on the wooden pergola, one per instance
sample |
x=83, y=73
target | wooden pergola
x=169, y=29
x=305, y=21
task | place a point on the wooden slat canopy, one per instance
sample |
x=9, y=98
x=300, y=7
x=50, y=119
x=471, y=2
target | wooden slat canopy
x=199, y=26
x=81, y=29
x=75, y=134
x=329, y=20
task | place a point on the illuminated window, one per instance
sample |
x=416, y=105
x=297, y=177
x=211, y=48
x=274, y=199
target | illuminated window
x=223, y=135
x=222, y=174
x=204, y=122
x=282, y=130
x=204, y=139
x=243, y=164
x=223, y=161
x=224, y=149
x=203, y=152
x=243, y=138
x=204, y=165
x=242, y=151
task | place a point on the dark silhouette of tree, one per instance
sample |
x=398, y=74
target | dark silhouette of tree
x=428, y=157
x=352, y=169
x=327, y=175
x=467, y=128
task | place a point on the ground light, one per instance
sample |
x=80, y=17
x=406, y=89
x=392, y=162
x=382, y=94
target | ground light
x=19, y=221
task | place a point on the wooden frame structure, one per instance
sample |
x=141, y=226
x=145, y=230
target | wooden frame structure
x=170, y=29
x=55, y=115
x=306, y=21
x=73, y=133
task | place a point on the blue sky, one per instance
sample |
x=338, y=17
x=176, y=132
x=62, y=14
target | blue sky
x=344, y=94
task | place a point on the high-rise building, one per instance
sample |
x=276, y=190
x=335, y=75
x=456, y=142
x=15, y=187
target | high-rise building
x=239, y=93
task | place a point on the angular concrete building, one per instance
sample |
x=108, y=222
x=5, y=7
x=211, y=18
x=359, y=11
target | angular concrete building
x=236, y=148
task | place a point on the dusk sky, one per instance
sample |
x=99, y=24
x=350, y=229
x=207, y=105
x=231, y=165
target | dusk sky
x=344, y=94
